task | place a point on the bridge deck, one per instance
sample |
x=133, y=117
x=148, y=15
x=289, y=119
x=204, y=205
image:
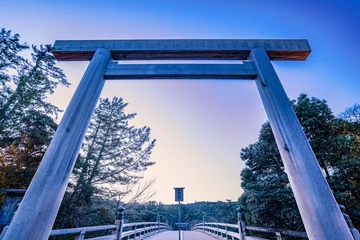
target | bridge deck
x=186, y=235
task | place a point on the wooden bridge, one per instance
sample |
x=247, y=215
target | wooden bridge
x=162, y=231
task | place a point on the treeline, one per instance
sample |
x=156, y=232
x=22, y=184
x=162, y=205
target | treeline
x=191, y=213
x=113, y=156
x=268, y=200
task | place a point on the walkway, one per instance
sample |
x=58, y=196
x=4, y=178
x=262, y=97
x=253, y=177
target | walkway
x=186, y=235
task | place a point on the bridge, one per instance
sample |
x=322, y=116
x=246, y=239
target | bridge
x=162, y=231
x=320, y=213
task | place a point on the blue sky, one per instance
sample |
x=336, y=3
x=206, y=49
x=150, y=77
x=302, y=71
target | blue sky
x=202, y=125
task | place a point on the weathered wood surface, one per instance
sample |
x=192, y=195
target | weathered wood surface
x=276, y=230
x=37, y=212
x=142, y=229
x=173, y=49
x=59, y=232
x=9, y=206
x=185, y=235
x=214, y=229
x=115, y=70
x=318, y=208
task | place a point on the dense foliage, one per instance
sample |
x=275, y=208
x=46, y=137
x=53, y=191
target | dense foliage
x=268, y=200
x=113, y=156
x=26, y=119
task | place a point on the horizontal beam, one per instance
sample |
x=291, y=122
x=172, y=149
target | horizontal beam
x=245, y=70
x=199, y=49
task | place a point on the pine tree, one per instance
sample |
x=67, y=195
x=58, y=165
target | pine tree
x=26, y=119
x=114, y=153
x=33, y=82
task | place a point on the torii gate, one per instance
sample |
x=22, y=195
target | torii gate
x=318, y=208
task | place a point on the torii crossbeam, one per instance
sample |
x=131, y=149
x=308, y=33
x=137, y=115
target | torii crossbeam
x=319, y=211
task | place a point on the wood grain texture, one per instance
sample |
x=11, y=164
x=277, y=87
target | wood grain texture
x=180, y=71
x=174, y=49
x=37, y=212
x=319, y=211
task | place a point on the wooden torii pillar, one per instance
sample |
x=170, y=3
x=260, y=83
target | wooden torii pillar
x=319, y=211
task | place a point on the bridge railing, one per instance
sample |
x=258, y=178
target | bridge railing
x=232, y=231
x=130, y=231
x=238, y=231
x=119, y=230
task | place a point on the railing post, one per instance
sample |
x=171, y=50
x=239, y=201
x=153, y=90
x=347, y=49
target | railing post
x=241, y=223
x=204, y=219
x=158, y=222
x=9, y=207
x=226, y=231
x=135, y=231
x=353, y=230
x=278, y=236
x=81, y=236
x=119, y=222
x=143, y=231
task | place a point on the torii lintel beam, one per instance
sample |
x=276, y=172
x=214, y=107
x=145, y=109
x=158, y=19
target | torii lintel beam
x=184, y=49
x=113, y=71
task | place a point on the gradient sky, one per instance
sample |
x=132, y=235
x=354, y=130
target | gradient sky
x=200, y=126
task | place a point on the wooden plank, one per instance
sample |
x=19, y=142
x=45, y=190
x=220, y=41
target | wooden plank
x=37, y=212
x=318, y=208
x=57, y=232
x=180, y=71
x=205, y=49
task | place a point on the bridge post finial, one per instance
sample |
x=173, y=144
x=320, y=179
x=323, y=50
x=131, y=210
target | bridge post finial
x=353, y=230
x=119, y=222
x=241, y=223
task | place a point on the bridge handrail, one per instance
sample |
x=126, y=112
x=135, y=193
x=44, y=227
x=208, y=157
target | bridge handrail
x=275, y=230
x=66, y=231
x=148, y=228
x=219, y=224
x=222, y=229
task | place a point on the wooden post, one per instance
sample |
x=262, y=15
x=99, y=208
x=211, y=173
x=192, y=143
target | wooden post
x=226, y=232
x=81, y=236
x=119, y=222
x=353, y=230
x=10, y=205
x=37, y=212
x=135, y=231
x=204, y=219
x=158, y=222
x=241, y=223
x=318, y=208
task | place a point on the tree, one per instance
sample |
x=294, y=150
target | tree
x=9, y=58
x=345, y=180
x=33, y=82
x=26, y=118
x=267, y=197
x=351, y=114
x=114, y=153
